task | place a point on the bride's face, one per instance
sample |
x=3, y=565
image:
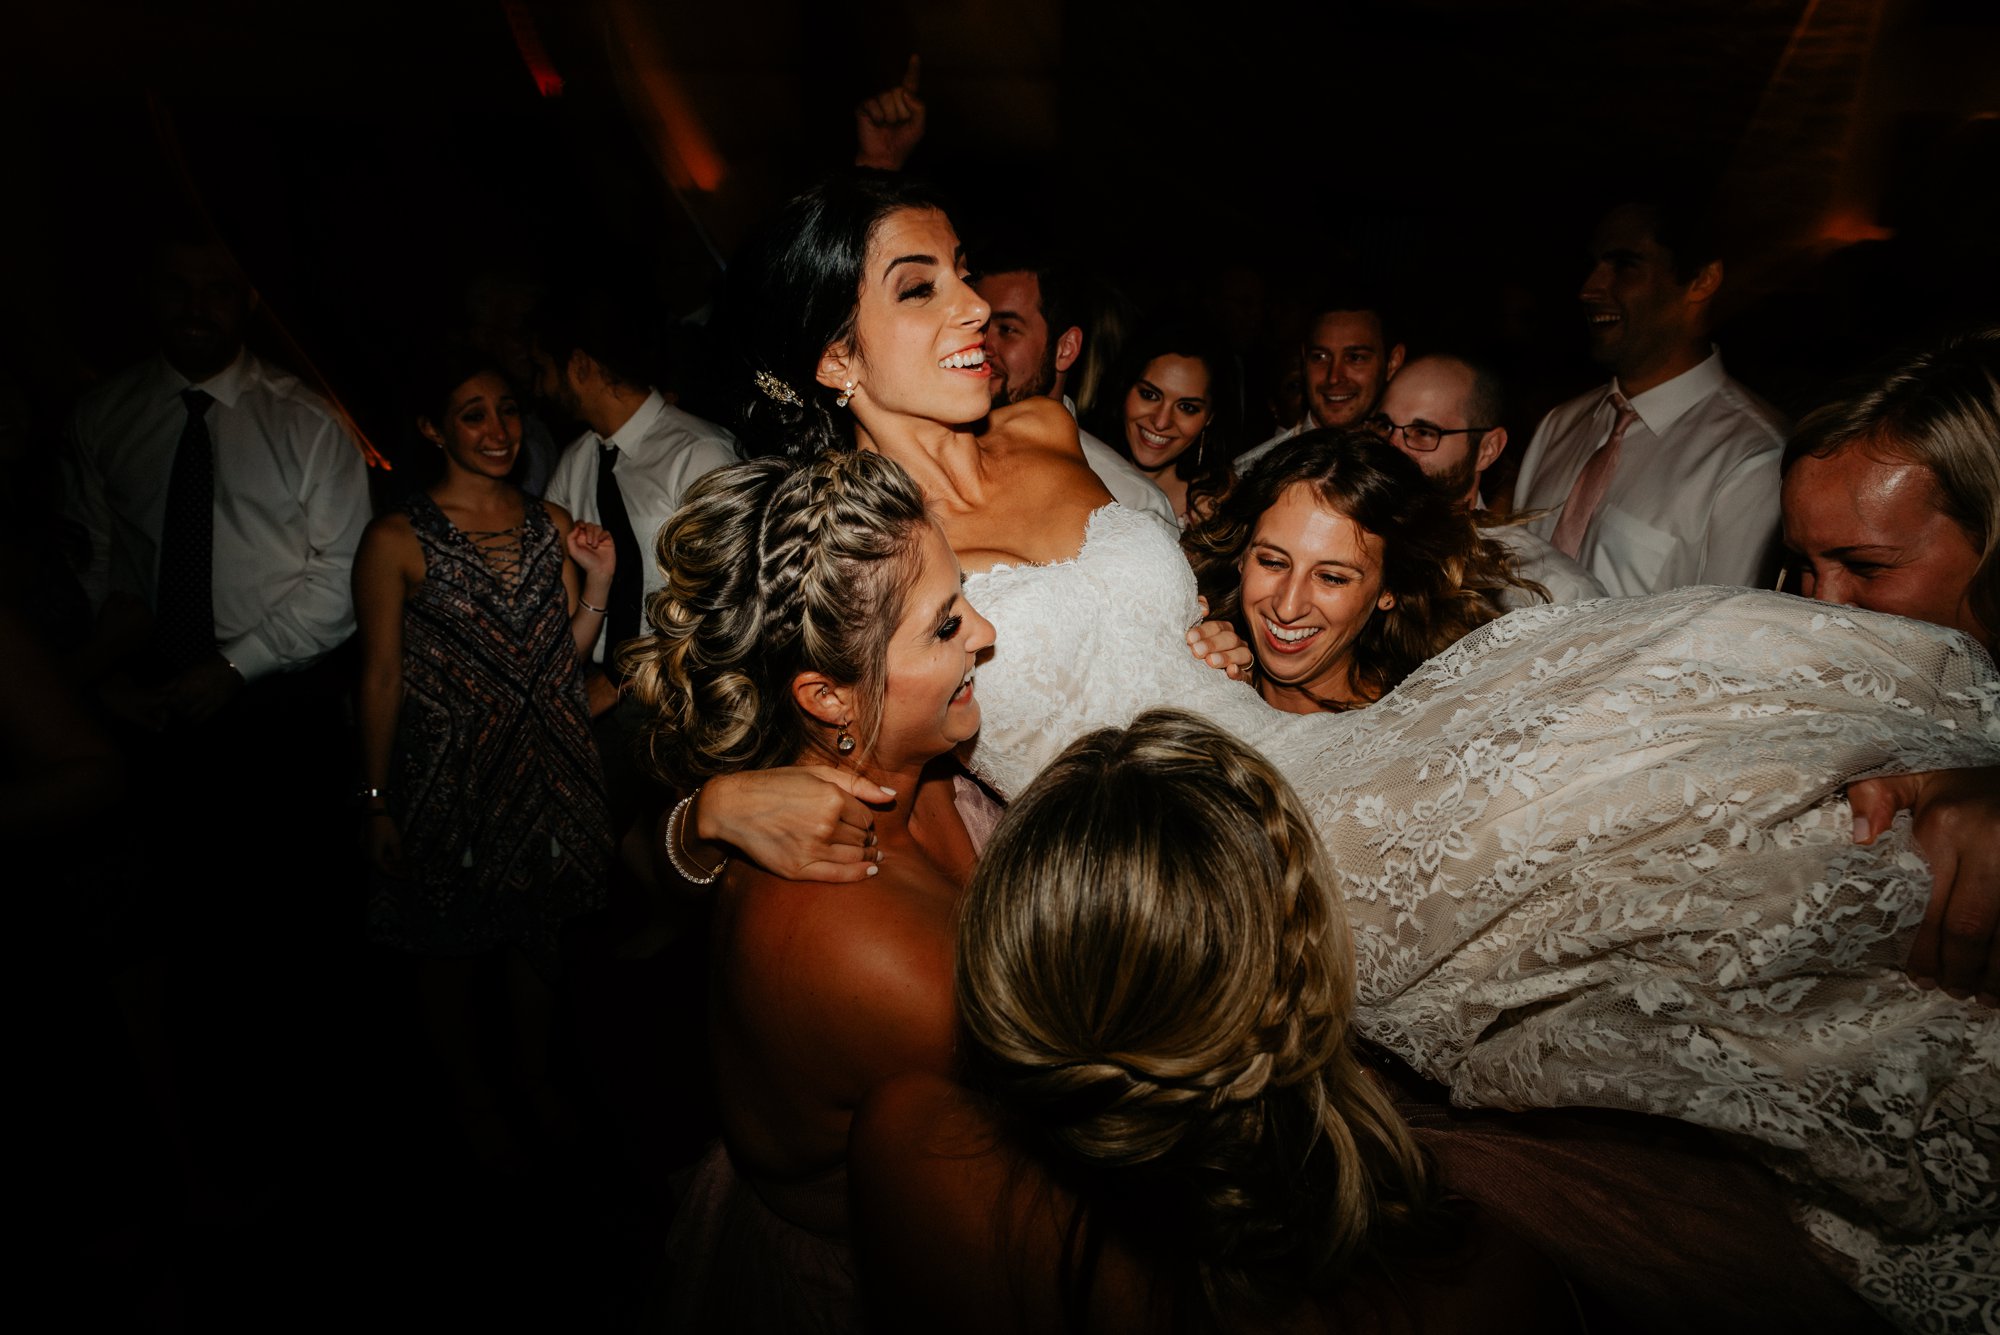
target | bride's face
x=928, y=705
x=916, y=350
x=1311, y=579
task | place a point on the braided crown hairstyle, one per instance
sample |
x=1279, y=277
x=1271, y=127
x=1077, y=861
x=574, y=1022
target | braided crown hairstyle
x=773, y=569
x=1447, y=578
x=1155, y=981
x=792, y=295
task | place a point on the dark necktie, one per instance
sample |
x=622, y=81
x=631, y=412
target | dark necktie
x=621, y=621
x=184, y=607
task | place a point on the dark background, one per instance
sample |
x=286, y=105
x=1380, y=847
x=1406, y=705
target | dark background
x=365, y=158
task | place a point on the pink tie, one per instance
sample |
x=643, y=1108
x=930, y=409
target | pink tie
x=1592, y=483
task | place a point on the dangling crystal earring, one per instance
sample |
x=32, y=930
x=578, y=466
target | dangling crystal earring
x=845, y=394
x=844, y=743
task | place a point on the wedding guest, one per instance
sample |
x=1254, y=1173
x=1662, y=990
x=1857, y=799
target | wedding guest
x=1668, y=476
x=1346, y=360
x=1344, y=568
x=1892, y=496
x=1444, y=412
x=482, y=801
x=1033, y=339
x=1173, y=410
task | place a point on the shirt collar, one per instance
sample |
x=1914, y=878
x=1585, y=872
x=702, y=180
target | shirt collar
x=225, y=386
x=1663, y=405
x=628, y=437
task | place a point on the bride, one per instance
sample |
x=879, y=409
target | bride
x=1593, y=856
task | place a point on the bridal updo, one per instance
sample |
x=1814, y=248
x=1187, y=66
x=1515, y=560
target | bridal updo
x=773, y=569
x=792, y=294
x=1156, y=981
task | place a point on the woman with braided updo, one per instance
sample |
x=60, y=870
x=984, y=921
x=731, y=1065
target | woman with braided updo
x=810, y=614
x=1162, y=1105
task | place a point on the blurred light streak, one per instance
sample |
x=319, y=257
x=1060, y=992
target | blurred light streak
x=686, y=152
x=687, y=156
x=528, y=41
x=170, y=144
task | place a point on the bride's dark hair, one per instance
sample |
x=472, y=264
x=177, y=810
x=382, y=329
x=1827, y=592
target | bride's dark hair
x=792, y=293
x=1156, y=979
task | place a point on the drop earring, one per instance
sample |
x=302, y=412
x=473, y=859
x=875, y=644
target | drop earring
x=845, y=394
x=844, y=743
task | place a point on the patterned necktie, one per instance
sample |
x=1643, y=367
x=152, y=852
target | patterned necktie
x=621, y=621
x=1592, y=483
x=184, y=607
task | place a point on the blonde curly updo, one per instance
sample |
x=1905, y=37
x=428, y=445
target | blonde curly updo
x=772, y=569
x=1156, y=981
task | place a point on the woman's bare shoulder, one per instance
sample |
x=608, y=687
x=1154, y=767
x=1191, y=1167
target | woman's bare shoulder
x=1034, y=424
x=876, y=951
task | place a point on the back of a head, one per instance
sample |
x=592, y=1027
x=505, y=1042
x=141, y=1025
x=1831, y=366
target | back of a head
x=1939, y=408
x=773, y=569
x=791, y=294
x=611, y=327
x=1155, y=981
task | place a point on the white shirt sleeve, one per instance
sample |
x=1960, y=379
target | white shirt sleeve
x=317, y=614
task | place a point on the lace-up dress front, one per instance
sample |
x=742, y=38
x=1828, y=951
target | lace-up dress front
x=497, y=785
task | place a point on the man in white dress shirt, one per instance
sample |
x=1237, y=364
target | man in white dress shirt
x=223, y=500
x=1345, y=361
x=1453, y=406
x=1033, y=337
x=1668, y=476
x=590, y=359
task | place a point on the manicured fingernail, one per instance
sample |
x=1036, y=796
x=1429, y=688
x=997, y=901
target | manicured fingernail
x=890, y=791
x=872, y=869
x=1864, y=830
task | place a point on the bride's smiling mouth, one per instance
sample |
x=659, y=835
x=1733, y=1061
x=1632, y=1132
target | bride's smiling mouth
x=969, y=360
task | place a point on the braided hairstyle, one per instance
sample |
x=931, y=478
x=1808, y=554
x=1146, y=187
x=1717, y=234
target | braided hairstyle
x=791, y=296
x=1447, y=578
x=1155, y=980
x=773, y=569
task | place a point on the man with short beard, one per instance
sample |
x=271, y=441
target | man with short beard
x=1034, y=336
x=1445, y=413
x=1345, y=362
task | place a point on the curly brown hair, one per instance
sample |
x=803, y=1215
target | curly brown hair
x=1446, y=577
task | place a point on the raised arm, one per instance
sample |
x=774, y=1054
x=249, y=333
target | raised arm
x=590, y=559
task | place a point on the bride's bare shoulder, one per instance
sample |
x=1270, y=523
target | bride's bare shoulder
x=1034, y=425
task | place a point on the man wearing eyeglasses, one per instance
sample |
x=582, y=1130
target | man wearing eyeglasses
x=1668, y=476
x=1444, y=412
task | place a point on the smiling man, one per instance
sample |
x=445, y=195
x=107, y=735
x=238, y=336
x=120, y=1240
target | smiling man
x=1033, y=338
x=1345, y=362
x=1668, y=476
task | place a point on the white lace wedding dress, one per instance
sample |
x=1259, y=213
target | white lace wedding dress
x=1598, y=855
